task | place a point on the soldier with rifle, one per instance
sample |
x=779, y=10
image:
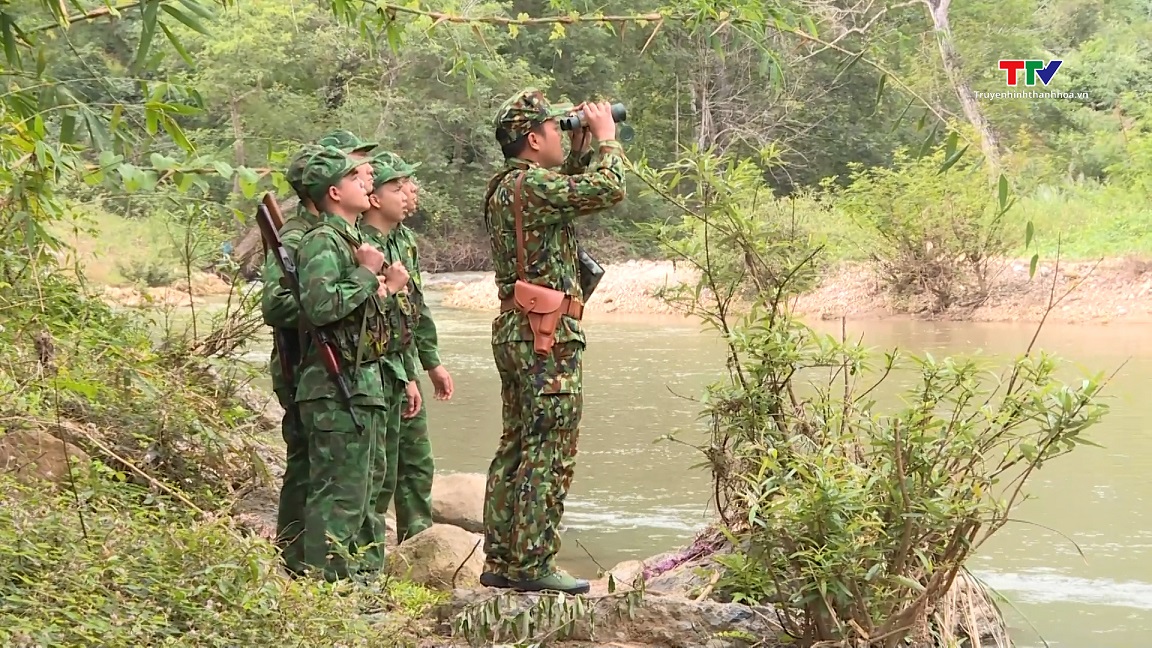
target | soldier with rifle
x=344, y=293
x=280, y=311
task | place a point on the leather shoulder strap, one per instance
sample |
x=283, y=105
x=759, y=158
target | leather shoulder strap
x=518, y=213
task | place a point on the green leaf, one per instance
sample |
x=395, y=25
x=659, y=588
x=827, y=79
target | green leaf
x=900, y=117
x=1029, y=232
x=224, y=169
x=11, y=50
x=950, y=143
x=1032, y=265
x=184, y=181
x=1003, y=192
x=879, y=93
x=394, y=37
x=177, y=45
x=249, y=182
x=927, y=143
x=176, y=133
x=953, y=159
x=149, y=19
x=198, y=8
x=190, y=21
x=68, y=127
x=162, y=162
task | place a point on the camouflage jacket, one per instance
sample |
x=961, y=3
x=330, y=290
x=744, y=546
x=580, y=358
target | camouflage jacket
x=551, y=200
x=399, y=359
x=277, y=302
x=339, y=295
x=426, y=347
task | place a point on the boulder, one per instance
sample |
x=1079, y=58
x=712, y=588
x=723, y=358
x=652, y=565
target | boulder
x=31, y=454
x=438, y=556
x=458, y=499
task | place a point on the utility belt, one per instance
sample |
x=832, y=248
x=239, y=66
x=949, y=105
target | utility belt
x=365, y=341
x=403, y=320
x=543, y=307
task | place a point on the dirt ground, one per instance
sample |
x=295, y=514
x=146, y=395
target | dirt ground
x=1105, y=291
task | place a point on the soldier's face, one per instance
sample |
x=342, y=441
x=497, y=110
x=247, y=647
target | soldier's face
x=551, y=144
x=390, y=201
x=351, y=193
x=411, y=193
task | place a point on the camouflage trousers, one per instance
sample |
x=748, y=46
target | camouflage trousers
x=411, y=467
x=529, y=477
x=345, y=468
x=294, y=486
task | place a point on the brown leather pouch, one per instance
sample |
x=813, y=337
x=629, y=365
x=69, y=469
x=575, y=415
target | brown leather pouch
x=543, y=307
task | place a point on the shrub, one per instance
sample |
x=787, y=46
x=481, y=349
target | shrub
x=853, y=517
x=932, y=233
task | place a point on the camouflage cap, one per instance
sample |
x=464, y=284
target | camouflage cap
x=396, y=162
x=523, y=111
x=325, y=167
x=383, y=171
x=346, y=141
x=295, y=173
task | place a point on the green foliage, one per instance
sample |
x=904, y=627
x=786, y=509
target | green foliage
x=150, y=273
x=933, y=226
x=123, y=567
x=854, y=515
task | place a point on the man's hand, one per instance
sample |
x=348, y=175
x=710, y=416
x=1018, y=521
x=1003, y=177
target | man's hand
x=369, y=257
x=396, y=277
x=579, y=139
x=412, y=399
x=442, y=381
x=599, y=119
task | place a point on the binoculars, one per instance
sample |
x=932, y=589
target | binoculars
x=574, y=121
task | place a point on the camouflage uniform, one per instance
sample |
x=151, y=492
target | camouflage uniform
x=281, y=311
x=400, y=369
x=542, y=396
x=414, y=464
x=339, y=296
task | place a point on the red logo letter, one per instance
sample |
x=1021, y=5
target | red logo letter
x=1012, y=67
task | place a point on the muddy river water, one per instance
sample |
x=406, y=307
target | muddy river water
x=632, y=498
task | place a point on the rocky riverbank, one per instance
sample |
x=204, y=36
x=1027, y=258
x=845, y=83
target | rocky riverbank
x=1115, y=290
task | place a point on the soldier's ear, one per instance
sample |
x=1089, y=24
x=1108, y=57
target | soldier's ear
x=374, y=201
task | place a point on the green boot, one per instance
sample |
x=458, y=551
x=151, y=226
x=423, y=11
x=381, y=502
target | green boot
x=558, y=581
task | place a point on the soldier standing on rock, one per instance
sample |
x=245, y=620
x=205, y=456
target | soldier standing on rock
x=537, y=341
x=414, y=466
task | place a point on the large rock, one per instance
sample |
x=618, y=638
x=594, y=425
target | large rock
x=438, y=555
x=458, y=499
x=30, y=454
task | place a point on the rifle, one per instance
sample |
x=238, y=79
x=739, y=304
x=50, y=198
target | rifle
x=270, y=220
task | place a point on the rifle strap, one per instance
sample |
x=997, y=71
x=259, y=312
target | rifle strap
x=518, y=213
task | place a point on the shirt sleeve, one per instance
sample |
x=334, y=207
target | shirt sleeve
x=560, y=198
x=328, y=291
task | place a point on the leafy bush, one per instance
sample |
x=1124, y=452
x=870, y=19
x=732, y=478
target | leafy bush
x=934, y=230
x=855, y=518
x=123, y=567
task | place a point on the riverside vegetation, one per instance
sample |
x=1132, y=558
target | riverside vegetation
x=854, y=522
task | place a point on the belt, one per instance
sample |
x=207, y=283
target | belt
x=569, y=306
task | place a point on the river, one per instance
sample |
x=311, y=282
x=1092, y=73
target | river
x=632, y=498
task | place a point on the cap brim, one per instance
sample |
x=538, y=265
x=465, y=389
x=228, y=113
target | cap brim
x=363, y=148
x=559, y=110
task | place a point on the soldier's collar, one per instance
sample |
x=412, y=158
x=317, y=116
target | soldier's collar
x=519, y=163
